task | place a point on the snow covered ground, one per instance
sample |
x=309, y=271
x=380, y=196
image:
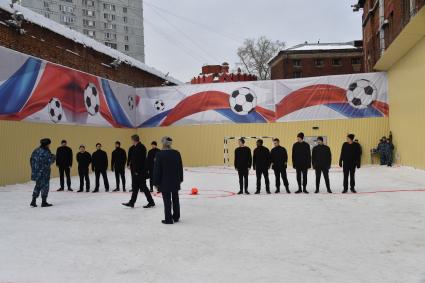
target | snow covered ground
x=368, y=237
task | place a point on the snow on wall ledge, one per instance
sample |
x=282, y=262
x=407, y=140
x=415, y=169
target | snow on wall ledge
x=35, y=90
x=76, y=36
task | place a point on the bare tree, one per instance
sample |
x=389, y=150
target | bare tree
x=255, y=54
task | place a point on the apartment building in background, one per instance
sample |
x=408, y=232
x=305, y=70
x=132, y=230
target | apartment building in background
x=116, y=23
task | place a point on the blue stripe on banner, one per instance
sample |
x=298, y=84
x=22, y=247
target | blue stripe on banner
x=15, y=91
x=351, y=112
x=252, y=117
x=116, y=109
x=155, y=120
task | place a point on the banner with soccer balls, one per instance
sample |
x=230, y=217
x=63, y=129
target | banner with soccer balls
x=36, y=90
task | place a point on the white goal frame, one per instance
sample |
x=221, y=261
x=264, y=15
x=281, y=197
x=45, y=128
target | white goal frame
x=226, y=146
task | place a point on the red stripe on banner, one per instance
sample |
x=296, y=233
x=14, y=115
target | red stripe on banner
x=382, y=107
x=269, y=115
x=310, y=96
x=203, y=101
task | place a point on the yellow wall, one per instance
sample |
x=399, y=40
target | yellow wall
x=407, y=104
x=19, y=139
x=203, y=145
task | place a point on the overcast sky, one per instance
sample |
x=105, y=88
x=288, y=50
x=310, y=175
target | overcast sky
x=183, y=35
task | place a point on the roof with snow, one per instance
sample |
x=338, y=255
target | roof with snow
x=316, y=47
x=78, y=37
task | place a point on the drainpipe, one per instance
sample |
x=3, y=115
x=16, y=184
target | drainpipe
x=381, y=26
x=412, y=8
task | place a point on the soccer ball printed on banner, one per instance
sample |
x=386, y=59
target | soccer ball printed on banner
x=243, y=101
x=91, y=99
x=131, y=102
x=55, y=110
x=159, y=105
x=362, y=93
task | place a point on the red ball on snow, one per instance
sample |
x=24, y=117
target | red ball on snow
x=194, y=191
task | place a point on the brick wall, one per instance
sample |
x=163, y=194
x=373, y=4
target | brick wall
x=45, y=44
x=397, y=13
x=285, y=68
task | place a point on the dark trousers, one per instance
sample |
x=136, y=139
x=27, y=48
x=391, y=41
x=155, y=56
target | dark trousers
x=105, y=179
x=171, y=200
x=120, y=172
x=349, y=171
x=325, y=172
x=139, y=183
x=243, y=179
x=84, y=176
x=302, y=178
x=65, y=171
x=281, y=173
x=265, y=173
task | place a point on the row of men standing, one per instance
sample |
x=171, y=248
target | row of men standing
x=302, y=159
x=99, y=165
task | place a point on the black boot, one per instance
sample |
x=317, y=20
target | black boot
x=124, y=190
x=44, y=203
x=299, y=191
x=305, y=190
x=80, y=190
x=277, y=190
x=268, y=191
x=246, y=192
x=70, y=190
x=240, y=192
x=317, y=191
x=345, y=191
x=287, y=190
x=129, y=204
x=116, y=190
x=96, y=191
x=88, y=190
x=60, y=190
x=33, y=202
x=353, y=191
x=149, y=205
x=257, y=192
x=329, y=191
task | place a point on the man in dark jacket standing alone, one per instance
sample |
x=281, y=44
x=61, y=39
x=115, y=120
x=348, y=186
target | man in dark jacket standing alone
x=349, y=160
x=118, y=162
x=168, y=175
x=261, y=164
x=151, y=161
x=99, y=166
x=279, y=161
x=322, y=160
x=64, y=163
x=137, y=162
x=243, y=162
x=84, y=160
x=301, y=161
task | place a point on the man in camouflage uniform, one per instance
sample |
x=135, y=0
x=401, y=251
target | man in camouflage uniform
x=41, y=160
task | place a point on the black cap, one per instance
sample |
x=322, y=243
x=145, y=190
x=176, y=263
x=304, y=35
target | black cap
x=45, y=142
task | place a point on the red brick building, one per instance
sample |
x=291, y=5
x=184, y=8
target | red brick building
x=319, y=59
x=25, y=31
x=382, y=21
x=220, y=74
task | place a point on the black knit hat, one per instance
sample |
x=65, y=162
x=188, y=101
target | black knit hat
x=45, y=142
x=301, y=136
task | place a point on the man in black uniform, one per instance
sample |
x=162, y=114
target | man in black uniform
x=322, y=160
x=151, y=161
x=261, y=164
x=84, y=160
x=137, y=162
x=64, y=163
x=168, y=175
x=119, y=159
x=99, y=166
x=243, y=162
x=301, y=161
x=279, y=161
x=349, y=160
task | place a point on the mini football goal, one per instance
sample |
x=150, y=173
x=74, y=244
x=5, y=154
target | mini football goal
x=226, y=146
